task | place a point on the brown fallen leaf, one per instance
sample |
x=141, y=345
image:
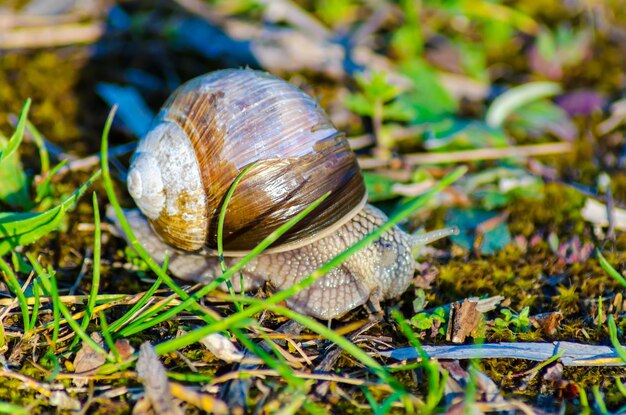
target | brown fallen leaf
x=87, y=360
x=124, y=348
x=154, y=378
x=557, y=384
x=457, y=382
x=464, y=320
x=547, y=322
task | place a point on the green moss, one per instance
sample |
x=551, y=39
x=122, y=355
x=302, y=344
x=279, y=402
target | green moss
x=48, y=78
x=557, y=211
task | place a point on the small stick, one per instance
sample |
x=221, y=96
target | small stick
x=51, y=36
x=489, y=153
x=472, y=155
x=90, y=161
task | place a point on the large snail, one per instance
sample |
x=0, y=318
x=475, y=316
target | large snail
x=214, y=126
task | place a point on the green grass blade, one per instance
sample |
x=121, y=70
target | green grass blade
x=48, y=282
x=609, y=269
x=104, y=329
x=36, y=305
x=223, y=210
x=195, y=335
x=44, y=157
x=232, y=270
x=621, y=350
x=9, y=408
x=53, y=291
x=516, y=97
x=97, y=244
x=220, y=226
x=19, y=229
x=597, y=395
x=95, y=279
x=138, y=306
x=15, y=286
x=43, y=188
x=148, y=318
x=18, y=135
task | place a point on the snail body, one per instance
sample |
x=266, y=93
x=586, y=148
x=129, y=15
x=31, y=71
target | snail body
x=208, y=131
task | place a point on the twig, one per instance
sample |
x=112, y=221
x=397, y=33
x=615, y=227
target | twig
x=10, y=19
x=572, y=354
x=373, y=23
x=296, y=16
x=93, y=160
x=202, y=9
x=262, y=373
x=51, y=36
x=472, y=155
x=489, y=153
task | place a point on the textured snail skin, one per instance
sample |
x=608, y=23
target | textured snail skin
x=382, y=270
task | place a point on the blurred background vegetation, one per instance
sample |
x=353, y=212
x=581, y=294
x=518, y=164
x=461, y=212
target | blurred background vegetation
x=530, y=95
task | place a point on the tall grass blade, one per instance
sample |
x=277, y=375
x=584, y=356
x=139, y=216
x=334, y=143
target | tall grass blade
x=49, y=284
x=609, y=269
x=18, y=135
x=193, y=336
x=16, y=288
x=19, y=229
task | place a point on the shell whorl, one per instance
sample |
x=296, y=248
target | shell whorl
x=164, y=179
x=146, y=186
x=233, y=118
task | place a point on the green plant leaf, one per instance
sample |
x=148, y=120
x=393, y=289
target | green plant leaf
x=428, y=99
x=14, y=188
x=18, y=135
x=379, y=187
x=516, y=97
x=18, y=229
x=422, y=321
x=467, y=221
x=465, y=135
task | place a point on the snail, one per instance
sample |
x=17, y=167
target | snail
x=207, y=132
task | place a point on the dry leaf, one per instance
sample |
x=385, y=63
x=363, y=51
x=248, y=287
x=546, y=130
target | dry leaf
x=154, y=378
x=547, y=322
x=124, y=348
x=63, y=401
x=222, y=348
x=87, y=360
x=458, y=379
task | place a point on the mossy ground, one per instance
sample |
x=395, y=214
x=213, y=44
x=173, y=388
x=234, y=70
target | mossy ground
x=61, y=83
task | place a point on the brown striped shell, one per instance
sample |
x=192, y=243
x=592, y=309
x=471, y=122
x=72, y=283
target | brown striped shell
x=229, y=119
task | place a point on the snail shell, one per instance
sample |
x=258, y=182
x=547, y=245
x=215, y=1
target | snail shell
x=215, y=125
